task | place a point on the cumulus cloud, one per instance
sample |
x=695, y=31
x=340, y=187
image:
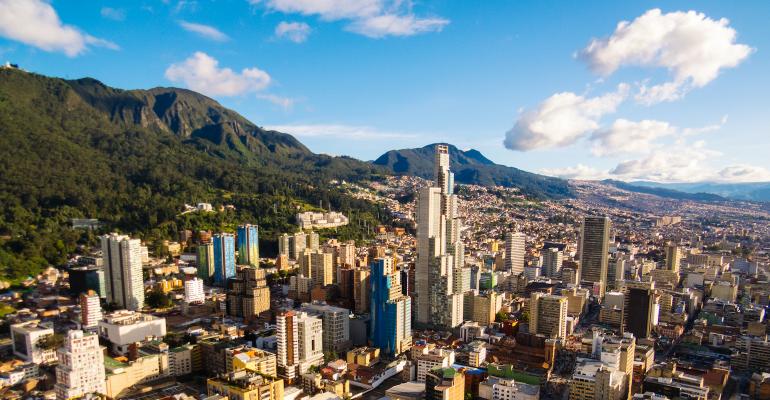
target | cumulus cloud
x=372, y=18
x=561, y=119
x=296, y=32
x=115, y=14
x=284, y=102
x=626, y=136
x=340, y=131
x=206, y=31
x=677, y=163
x=201, y=72
x=692, y=46
x=36, y=23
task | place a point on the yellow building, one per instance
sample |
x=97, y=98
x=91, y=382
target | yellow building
x=251, y=359
x=365, y=356
x=246, y=385
x=121, y=376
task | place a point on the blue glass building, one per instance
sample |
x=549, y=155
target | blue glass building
x=224, y=258
x=248, y=245
x=391, y=311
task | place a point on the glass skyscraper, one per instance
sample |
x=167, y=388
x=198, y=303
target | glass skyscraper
x=248, y=245
x=224, y=258
x=391, y=310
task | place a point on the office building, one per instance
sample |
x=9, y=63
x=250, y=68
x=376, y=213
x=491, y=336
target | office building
x=429, y=359
x=481, y=307
x=318, y=266
x=90, y=309
x=445, y=384
x=85, y=278
x=515, y=243
x=300, y=343
x=336, y=325
x=123, y=328
x=80, y=370
x=224, y=258
x=28, y=340
x=548, y=315
x=193, y=291
x=391, y=314
x=594, y=249
x=248, y=245
x=438, y=268
x=552, y=260
x=362, y=289
x=641, y=312
x=247, y=293
x=673, y=257
x=123, y=271
x=246, y=385
x=205, y=259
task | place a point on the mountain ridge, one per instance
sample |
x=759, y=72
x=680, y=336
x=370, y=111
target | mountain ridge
x=472, y=167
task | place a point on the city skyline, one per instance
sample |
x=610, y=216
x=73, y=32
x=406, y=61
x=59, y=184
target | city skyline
x=567, y=98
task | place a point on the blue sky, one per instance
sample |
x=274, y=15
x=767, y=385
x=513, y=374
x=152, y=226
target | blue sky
x=670, y=96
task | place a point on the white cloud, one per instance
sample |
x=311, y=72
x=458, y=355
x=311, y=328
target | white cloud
x=116, y=14
x=206, y=31
x=372, y=18
x=284, y=102
x=297, y=32
x=561, y=119
x=340, y=132
x=580, y=171
x=626, y=136
x=692, y=46
x=743, y=173
x=396, y=25
x=681, y=162
x=201, y=72
x=36, y=23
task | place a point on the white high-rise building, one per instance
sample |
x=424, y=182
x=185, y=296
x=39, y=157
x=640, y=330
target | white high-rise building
x=440, y=261
x=123, y=271
x=27, y=338
x=300, y=343
x=515, y=243
x=81, y=366
x=193, y=291
x=90, y=309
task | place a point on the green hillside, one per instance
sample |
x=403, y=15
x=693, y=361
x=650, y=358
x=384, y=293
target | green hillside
x=133, y=158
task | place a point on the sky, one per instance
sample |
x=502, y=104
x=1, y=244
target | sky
x=662, y=91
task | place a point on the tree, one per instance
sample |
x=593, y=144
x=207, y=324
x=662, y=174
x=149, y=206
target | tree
x=51, y=342
x=158, y=299
x=501, y=316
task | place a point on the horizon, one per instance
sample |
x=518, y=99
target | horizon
x=530, y=86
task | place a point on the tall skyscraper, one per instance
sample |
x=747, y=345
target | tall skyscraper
x=81, y=366
x=640, y=303
x=224, y=258
x=391, y=314
x=673, y=257
x=205, y=261
x=90, y=309
x=515, y=243
x=594, y=249
x=300, y=343
x=438, y=270
x=548, y=315
x=248, y=245
x=361, y=290
x=552, y=260
x=123, y=271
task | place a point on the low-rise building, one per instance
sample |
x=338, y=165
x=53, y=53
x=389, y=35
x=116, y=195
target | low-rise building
x=123, y=328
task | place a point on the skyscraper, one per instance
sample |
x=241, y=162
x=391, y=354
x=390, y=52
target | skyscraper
x=248, y=245
x=123, y=271
x=594, y=248
x=548, y=315
x=673, y=257
x=224, y=258
x=640, y=303
x=552, y=260
x=81, y=366
x=391, y=314
x=438, y=270
x=514, y=252
x=300, y=343
x=205, y=261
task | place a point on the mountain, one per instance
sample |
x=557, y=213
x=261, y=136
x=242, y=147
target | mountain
x=665, y=192
x=471, y=167
x=754, y=191
x=133, y=158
